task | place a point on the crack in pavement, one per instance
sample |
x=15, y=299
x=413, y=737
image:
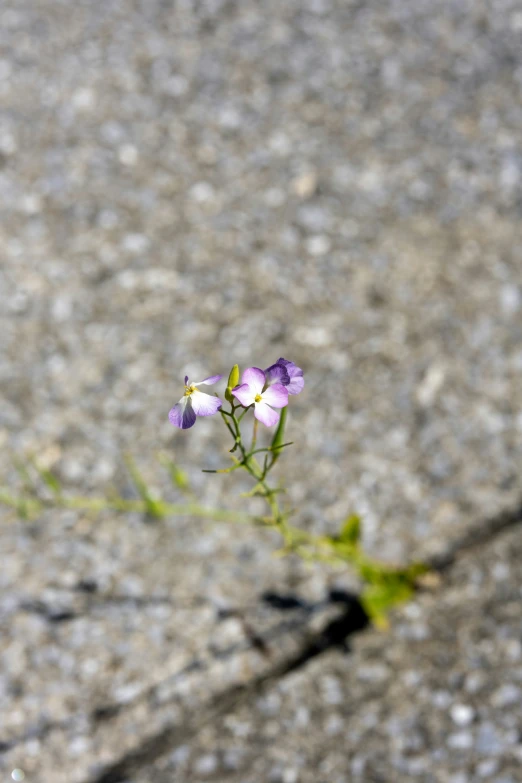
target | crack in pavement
x=108, y=711
x=351, y=620
x=337, y=633
x=54, y=613
x=475, y=537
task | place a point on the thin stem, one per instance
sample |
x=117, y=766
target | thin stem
x=251, y=465
x=225, y=470
x=224, y=413
x=245, y=411
x=80, y=502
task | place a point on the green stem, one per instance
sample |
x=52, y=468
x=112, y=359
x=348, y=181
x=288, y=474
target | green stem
x=82, y=503
x=258, y=473
x=245, y=411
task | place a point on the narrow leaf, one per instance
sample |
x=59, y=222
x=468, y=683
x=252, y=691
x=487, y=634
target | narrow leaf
x=351, y=530
x=178, y=476
x=153, y=507
x=50, y=480
x=279, y=435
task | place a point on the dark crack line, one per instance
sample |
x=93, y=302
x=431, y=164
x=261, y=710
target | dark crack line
x=53, y=614
x=476, y=537
x=335, y=634
x=60, y=614
x=104, y=712
x=57, y=613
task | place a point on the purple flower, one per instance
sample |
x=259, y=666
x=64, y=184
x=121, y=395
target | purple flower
x=194, y=403
x=288, y=374
x=250, y=392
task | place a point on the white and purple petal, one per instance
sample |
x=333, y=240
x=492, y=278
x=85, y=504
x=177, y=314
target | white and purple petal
x=204, y=404
x=276, y=395
x=208, y=381
x=277, y=373
x=182, y=414
x=265, y=414
x=296, y=385
x=186, y=380
x=255, y=378
x=244, y=394
x=295, y=373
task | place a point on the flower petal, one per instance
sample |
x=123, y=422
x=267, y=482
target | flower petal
x=296, y=385
x=277, y=373
x=204, y=404
x=176, y=413
x=276, y=395
x=295, y=373
x=186, y=380
x=255, y=378
x=208, y=381
x=244, y=394
x=265, y=414
x=182, y=414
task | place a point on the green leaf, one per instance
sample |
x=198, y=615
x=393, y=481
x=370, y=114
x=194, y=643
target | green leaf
x=379, y=599
x=279, y=435
x=153, y=507
x=50, y=480
x=416, y=570
x=26, y=508
x=233, y=380
x=178, y=476
x=351, y=530
x=48, y=477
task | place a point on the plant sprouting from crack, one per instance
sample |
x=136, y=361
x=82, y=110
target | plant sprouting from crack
x=265, y=393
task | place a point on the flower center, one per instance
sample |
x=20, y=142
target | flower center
x=189, y=390
x=258, y=398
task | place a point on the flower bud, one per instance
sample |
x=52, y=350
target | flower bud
x=233, y=380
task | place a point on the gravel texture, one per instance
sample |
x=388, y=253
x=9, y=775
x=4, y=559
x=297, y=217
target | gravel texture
x=188, y=185
x=114, y=631
x=437, y=699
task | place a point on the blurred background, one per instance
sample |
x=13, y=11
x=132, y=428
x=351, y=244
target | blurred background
x=186, y=185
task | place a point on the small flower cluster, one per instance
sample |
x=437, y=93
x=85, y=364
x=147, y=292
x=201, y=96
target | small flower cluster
x=265, y=390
